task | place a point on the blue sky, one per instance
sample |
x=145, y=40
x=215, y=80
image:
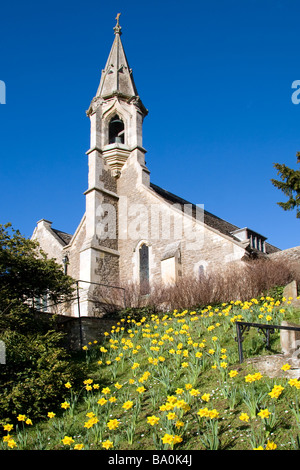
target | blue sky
x=215, y=75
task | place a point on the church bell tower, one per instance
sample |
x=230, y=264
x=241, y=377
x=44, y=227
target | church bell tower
x=117, y=112
x=116, y=116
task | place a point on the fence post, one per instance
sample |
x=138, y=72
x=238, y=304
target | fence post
x=239, y=341
x=79, y=317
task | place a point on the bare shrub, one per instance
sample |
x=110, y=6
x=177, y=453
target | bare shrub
x=235, y=281
x=107, y=299
x=134, y=297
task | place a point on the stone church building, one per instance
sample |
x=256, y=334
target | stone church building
x=132, y=230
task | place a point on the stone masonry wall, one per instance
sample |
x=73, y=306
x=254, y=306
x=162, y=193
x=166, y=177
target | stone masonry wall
x=212, y=248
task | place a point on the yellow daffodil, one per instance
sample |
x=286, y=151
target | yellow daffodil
x=213, y=414
x=102, y=401
x=244, y=417
x=233, y=373
x=21, y=417
x=264, y=414
x=88, y=381
x=167, y=439
x=271, y=445
x=78, y=446
x=67, y=441
x=11, y=443
x=127, y=405
x=152, y=420
x=294, y=383
x=179, y=424
x=177, y=439
x=112, y=424
x=8, y=427
x=205, y=397
x=276, y=391
x=107, y=444
x=203, y=412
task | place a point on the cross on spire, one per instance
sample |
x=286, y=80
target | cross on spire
x=117, y=28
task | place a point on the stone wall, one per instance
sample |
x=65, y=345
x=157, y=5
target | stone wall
x=208, y=247
x=80, y=331
x=48, y=241
x=73, y=251
x=291, y=256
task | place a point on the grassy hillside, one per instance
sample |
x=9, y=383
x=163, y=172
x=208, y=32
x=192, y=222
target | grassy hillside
x=173, y=381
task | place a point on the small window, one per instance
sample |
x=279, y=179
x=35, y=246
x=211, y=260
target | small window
x=200, y=270
x=116, y=130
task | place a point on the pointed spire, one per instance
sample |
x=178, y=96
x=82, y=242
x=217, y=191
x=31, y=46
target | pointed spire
x=117, y=78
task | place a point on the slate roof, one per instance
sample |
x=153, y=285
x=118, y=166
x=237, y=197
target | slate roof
x=63, y=236
x=290, y=254
x=210, y=219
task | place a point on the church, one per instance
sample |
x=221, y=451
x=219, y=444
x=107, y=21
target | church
x=133, y=231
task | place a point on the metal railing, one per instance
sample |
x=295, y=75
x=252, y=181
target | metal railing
x=102, y=285
x=242, y=326
x=77, y=299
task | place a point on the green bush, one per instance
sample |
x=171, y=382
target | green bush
x=36, y=365
x=32, y=380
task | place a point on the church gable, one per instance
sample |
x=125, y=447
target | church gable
x=52, y=241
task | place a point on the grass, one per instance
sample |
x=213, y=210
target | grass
x=170, y=366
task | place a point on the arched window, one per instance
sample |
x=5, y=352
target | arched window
x=200, y=270
x=144, y=269
x=116, y=130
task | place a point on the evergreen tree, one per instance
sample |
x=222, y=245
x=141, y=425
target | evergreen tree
x=26, y=273
x=36, y=363
x=289, y=185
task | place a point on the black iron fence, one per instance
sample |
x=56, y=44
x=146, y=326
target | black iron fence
x=46, y=307
x=242, y=327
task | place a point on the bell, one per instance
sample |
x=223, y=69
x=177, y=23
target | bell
x=116, y=121
x=116, y=128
